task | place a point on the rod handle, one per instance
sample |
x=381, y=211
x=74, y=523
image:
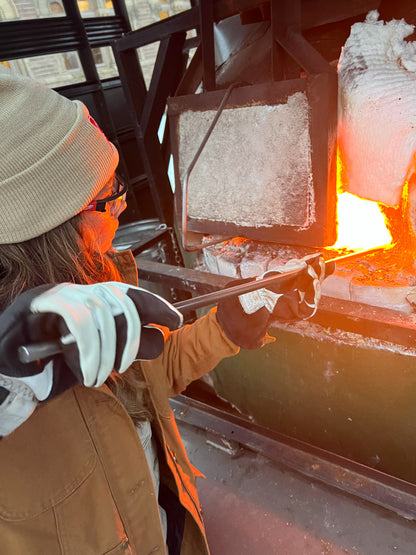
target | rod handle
x=36, y=351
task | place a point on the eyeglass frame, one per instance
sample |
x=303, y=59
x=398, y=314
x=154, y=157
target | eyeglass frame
x=99, y=205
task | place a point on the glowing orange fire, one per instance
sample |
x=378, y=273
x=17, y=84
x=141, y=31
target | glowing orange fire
x=361, y=224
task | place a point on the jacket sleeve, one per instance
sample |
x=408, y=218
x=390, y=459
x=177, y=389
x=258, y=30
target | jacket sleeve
x=192, y=351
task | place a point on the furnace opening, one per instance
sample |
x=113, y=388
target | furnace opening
x=364, y=224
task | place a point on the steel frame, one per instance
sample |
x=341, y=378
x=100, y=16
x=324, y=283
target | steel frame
x=334, y=470
x=146, y=107
x=27, y=38
x=169, y=80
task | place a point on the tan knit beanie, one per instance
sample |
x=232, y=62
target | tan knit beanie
x=54, y=159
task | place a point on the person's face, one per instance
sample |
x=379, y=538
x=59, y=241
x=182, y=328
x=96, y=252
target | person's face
x=102, y=225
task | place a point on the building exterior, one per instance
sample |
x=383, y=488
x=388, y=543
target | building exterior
x=64, y=68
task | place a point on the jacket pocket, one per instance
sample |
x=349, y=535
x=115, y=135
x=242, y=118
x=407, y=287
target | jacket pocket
x=123, y=548
x=89, y=522
x=45, y=460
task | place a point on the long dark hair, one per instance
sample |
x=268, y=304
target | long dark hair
x=64, y=254
x=67, y=254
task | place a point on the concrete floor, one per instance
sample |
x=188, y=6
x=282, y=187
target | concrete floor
x=253, y=506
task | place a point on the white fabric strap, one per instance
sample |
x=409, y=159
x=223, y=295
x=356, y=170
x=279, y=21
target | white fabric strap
x=17, y=406
x=255, y=300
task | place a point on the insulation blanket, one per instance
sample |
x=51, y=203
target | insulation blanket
x=377, y=109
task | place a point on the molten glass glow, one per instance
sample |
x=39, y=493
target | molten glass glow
x=361, y=224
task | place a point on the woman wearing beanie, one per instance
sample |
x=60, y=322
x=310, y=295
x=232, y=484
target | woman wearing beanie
x=91, y=461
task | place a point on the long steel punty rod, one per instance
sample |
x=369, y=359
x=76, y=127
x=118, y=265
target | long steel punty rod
x=276, y=280
x=30, y=353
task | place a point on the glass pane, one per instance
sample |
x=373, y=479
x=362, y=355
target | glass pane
x=145, y=13
x=105, y=62
x=147, y=56
x=191, y=51
x=148, y=11
x=11, y=10
x=55, y=70
x=96, y=8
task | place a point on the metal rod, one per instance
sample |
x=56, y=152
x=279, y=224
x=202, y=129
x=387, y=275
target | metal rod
x=30, y=353
x=235, y=290
x=277, y=279
x=187, y=246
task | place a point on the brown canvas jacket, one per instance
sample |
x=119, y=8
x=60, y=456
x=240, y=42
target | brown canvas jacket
x=74, y=478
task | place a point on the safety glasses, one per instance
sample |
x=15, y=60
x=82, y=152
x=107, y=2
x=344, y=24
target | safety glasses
x=116, y=199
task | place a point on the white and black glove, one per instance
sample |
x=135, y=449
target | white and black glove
x=101, y=327
x=245, y=319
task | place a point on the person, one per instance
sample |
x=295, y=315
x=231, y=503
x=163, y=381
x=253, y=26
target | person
x=91, y=460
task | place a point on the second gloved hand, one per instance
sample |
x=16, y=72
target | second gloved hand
x=245, y=319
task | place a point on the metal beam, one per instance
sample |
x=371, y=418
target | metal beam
x=207, y=44
x=370, y=321
x=180, y=278
x=334, y=470
x=160, y=30
x=165, y=78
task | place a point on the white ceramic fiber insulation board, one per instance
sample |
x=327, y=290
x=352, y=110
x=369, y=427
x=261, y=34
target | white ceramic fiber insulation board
x=255, y=169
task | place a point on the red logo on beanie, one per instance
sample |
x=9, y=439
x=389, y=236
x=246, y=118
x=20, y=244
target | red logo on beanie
x=95, y=124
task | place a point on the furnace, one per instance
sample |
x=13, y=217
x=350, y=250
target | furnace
x=256, y=169
x=343, y=381
x=336, y=368
x=255, y=177
x=377, y=108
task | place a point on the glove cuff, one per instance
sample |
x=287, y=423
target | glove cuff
x=246, y=331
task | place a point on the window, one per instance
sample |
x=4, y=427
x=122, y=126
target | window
x=84, y=5
x=55, y=70
x=13, y=10
x=98, y=56
x=96, y=8
x=105, y=62
x=56, y=8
